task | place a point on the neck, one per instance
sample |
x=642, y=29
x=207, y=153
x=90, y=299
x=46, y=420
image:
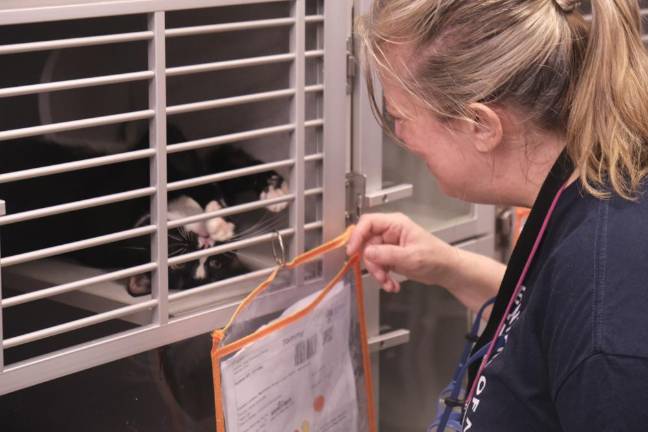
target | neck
x=535, y=162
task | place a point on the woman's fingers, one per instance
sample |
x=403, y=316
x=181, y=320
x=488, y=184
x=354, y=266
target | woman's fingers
x=382, y=275
x=391, y=285
x=368, y=227
x=388, y=256
x=376, y=270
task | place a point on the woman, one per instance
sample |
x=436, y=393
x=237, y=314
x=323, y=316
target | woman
x=520, y=102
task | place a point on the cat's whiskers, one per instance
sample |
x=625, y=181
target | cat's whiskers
x=263, y=228
x=260, y=220
x=134, y=248
x=264, y=224
x=249, y=257
x=178, y=251
x=182, y=231
x=174, y=237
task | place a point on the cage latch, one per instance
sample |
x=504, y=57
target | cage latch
x=356, y=191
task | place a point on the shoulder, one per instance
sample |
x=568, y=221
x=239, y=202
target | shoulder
x=599, y=268
x=622, y=279
x=595, y=281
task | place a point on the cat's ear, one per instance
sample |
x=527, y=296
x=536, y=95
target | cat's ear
x=139, y=285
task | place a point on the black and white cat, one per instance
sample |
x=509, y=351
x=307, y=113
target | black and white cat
x=206, y=199
x=93, y=182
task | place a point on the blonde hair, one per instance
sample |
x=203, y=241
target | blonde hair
x=586, y=82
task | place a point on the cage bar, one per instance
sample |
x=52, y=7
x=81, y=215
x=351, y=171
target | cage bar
x=231, y=101
x=220, y=284
x=314, y=123
x=76, y=324
x=229, y=138
x=229, y=64
x=298, y=141
x=314, y=157
x=75, y=42
x=314, y=54
x=76, y=285
x=254, y=169
x=228, y=27
x=75, y=124
x=76, y=165
x=1, y=323
x=314, y=19
x=158, y=168
x=228, y=247
x=75, y=246
x=77, y=205
x=313, y=192
x=316, y=88
x=229, y=211
x=75, y=83
x=215, y=250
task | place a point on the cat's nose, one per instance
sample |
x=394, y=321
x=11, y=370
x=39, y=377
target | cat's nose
x=205, y=242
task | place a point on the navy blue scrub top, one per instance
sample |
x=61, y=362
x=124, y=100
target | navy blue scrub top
x=576, y=355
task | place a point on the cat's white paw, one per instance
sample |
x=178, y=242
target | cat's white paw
x=139, y=285
x=218, y=228
x=275, y=192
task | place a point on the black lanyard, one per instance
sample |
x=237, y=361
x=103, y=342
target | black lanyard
x=558, y=175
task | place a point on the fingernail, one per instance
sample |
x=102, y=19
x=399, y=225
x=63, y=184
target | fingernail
x=370, y=252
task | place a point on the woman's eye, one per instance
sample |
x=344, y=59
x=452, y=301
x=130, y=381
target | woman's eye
x=177, y=266
x=215, y=264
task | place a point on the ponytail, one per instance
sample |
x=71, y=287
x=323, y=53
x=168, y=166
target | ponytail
x=607, y=127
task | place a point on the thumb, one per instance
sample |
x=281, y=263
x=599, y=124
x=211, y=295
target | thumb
x=386, y=255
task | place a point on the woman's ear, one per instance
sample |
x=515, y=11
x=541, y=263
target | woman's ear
x=486, y=130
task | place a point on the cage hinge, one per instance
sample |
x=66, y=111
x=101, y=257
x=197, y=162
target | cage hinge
x=356, y=191
x=352, y=64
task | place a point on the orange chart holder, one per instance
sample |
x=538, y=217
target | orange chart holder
x=295, y=360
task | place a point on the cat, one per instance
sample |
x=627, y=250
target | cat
x=204, y=199
x=61, y=188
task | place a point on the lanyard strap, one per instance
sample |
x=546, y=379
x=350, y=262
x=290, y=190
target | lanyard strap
x=516, y=292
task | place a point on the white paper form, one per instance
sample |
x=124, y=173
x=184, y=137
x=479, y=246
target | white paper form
x=297, y=379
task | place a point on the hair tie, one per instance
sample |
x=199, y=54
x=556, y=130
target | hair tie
x=568, y=5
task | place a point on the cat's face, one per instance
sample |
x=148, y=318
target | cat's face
x=190, y=238
x=193, y=273
x=204, y=271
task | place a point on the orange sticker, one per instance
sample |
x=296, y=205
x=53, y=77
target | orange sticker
x=318, y=404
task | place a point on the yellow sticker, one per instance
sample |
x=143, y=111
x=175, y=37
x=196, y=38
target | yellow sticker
x=305, y=426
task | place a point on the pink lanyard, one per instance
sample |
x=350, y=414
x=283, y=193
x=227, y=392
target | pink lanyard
x=518, y=288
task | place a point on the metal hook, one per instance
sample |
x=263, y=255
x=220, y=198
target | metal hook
x=279, y=259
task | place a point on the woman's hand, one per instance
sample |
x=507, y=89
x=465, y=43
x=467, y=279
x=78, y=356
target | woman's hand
x=393, y=242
